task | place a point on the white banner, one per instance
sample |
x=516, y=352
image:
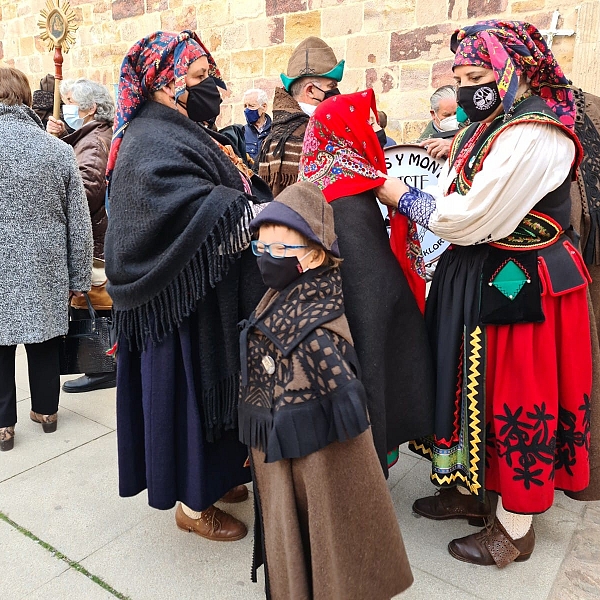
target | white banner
x=416, y=168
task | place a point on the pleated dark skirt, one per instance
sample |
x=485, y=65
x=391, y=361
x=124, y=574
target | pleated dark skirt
x=161, y=441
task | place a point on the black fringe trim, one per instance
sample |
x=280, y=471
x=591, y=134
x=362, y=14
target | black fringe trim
x=219, y=406
x=158, y=317
x=297, y=430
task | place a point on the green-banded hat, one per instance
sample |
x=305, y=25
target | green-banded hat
x=312, y=58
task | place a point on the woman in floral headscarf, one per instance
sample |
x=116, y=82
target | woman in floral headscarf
x=507, y=312
x=384, y=287
x=180, y=282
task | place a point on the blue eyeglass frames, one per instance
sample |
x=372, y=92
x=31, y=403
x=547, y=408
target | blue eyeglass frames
x=276, y=249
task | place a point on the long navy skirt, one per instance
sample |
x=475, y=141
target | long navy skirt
x=161, y=441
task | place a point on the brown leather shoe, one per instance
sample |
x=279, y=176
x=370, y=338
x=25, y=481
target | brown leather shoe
x=7, y=438
x=449, y=503
x=493, y=546
x=49, y=422
x=237, y=494
x=213, y=524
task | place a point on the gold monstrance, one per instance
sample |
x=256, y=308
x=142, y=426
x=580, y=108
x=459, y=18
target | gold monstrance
x=57, y=22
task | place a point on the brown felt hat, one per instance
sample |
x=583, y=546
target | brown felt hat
x=303, y=208
x=312, y=57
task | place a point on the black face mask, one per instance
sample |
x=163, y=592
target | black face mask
x=381, y=138
x=278, y=273
x=204, y=101
x=479, y=101
x=328, y=93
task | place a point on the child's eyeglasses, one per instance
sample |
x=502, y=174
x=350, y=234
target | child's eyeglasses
x=276, y=249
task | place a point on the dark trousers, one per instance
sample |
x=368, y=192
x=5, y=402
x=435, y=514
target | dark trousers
x=44, y=380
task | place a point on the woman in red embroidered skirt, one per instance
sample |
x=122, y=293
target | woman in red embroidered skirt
x=507, y=313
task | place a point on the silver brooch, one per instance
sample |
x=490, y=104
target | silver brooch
x=269, y=364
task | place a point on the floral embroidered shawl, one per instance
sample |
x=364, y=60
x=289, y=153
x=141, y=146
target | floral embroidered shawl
x=341, y=155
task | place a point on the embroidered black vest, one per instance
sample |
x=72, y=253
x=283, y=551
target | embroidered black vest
x=511, y=285
x=535, y=231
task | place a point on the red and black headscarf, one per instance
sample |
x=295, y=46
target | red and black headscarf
x=150, y=64
x=341, y=155
x=510, y=49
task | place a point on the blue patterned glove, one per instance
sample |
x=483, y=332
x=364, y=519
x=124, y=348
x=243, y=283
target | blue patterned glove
x=417, y=206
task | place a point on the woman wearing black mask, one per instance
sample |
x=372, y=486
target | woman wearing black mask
x=181, y=278
x=508, y=298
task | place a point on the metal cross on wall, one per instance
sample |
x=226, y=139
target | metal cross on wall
x=551, y=33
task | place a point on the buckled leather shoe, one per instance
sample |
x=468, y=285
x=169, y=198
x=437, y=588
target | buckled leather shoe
x=449, y=503
x=493, y=546
x=213, y=524
x=237, y=494
x=7, y=438
x=88, y=383
x=49, y=422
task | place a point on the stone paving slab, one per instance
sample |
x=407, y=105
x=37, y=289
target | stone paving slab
x=157, y=561
x=98, y=406
x=428, y=587
x=72, y=501
x=70, y=585
x=34, y=447
x=23, y=394
x=24, y=564
x=579, y=578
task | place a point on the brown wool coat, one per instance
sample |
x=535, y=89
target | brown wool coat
x=581, y=222
x=329, y=525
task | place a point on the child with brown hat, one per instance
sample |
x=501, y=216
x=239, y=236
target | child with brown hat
x=325, y=523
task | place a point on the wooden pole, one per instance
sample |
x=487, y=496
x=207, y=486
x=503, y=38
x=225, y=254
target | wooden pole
x=58, y=62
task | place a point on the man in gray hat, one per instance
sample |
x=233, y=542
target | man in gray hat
x=313, y=73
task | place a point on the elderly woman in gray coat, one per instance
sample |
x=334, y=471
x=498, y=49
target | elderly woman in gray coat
x=45, y=252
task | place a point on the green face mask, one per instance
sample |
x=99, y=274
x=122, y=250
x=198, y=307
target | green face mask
x=461, y=115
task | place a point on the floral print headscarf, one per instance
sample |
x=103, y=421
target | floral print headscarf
x=150, y=64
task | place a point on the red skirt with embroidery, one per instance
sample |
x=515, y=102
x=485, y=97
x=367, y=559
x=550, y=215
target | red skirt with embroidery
x=512, y=405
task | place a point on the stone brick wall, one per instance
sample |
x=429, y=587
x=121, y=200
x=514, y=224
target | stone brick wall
x=398, y=47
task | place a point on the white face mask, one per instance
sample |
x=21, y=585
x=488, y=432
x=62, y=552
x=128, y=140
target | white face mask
x=448, y=124
x=309, y=109
x=71, y=115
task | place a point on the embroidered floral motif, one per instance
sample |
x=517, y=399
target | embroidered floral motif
x=336, y=160
x=570, y=436
x=524, y=443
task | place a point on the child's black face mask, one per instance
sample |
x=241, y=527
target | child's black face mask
x=278, y=273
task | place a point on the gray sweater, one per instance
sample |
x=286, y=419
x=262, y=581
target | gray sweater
x=45, y=230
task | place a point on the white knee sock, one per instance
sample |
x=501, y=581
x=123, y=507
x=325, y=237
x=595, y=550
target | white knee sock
x=192, y=514
x=516, y=526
